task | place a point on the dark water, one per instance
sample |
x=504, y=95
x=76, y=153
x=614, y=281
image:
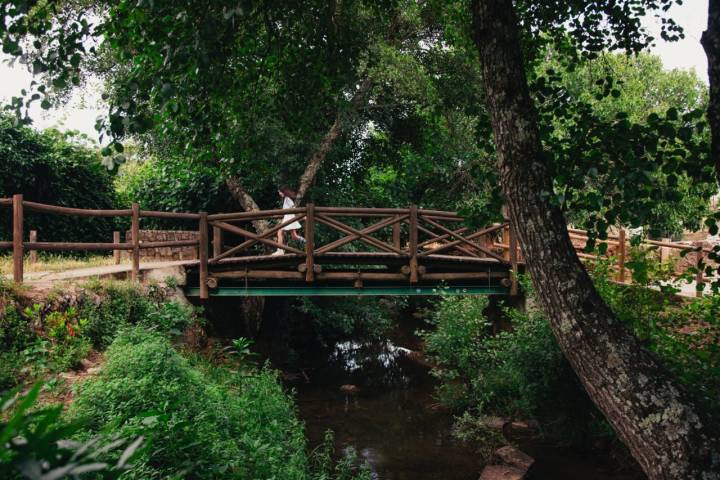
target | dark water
x=392, y=422
x=395, y=424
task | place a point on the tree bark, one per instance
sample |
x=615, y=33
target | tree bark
x=710, y=41
x=667, y=433
x=246, y=201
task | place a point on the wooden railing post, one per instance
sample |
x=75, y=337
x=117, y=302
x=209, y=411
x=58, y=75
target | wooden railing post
x=18, y=238
x=396, y=234
x=217, y=241
x=203, y=255
x=413, y=244
x=116, y=253
x=135, y=232
x=513, y=251
x=699, y=276
x=33, y=253
x=506, y=241
x=310, y=242
x=622, y=252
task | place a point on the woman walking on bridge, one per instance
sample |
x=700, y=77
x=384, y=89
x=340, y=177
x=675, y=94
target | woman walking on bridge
x=288, y=195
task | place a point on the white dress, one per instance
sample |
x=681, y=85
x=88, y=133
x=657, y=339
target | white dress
x=288, y=203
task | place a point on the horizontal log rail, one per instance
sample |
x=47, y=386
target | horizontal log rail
x=79, y=212
x=255, y=238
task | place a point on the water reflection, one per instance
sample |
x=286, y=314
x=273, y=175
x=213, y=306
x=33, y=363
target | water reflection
x=391, y=421
x=378, y=360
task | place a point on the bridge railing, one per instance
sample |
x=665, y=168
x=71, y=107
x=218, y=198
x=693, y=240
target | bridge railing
x=401, y=233
x=407, y=233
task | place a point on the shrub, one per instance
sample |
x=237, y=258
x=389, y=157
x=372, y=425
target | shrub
x=173, y=184
x=123, y=303
x=55, y=168
x=685, y=334
x=35, y=443
x=202, y=421
x=16, y=335
x=456, y=345
x=518, y=373
x=15, y=331
x=511, y=373
x=11, y=364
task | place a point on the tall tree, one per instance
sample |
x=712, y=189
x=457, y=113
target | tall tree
x=663, y=427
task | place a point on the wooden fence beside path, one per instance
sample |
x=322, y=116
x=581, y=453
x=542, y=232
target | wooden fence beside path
x=19, y=246
x=412, y=239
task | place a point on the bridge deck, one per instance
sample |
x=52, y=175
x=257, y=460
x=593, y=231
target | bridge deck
x=352, y=273
x=354, y=258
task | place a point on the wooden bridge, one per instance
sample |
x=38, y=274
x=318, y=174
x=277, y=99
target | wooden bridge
x=348, y=251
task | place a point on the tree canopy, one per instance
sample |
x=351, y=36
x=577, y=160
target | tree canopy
x=379, y=102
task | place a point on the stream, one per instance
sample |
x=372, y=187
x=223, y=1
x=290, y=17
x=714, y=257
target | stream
x=395, y=425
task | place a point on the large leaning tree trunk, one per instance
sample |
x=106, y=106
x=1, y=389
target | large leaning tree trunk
x=711, y=43
x=669, y=435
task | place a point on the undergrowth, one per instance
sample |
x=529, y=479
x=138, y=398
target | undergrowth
x=37, y=339
x=203, y=420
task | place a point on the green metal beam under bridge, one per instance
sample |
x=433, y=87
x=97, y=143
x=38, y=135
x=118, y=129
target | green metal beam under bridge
x=325, y=291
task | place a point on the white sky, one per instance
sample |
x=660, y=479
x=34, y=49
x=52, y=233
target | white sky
x=86, y=105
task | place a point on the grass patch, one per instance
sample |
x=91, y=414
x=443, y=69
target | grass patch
x=55, y=263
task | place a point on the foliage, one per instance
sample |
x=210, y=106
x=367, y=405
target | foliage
x=683, y=333
x=55, y=337
x=456, y=344
x=510, y=373
x=16, y=335
x=473, y=430
x=172, y=184
x=517, y=373
x=241, y=97
x=245, y=426
x=609, y=151
x=54, y=168
x=344, y=317
x=15, y=331
x=35, y=443
x=124, y=303
x=346, y=468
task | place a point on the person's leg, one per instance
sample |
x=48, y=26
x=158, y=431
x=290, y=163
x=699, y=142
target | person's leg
x=281, y=241
x=297, y=237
